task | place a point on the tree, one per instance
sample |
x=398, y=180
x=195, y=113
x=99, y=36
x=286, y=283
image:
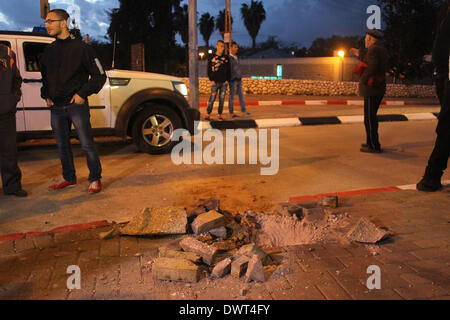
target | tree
x=325, y=47
x=145, y=21
x=253, y=17
x=181, y=23
x=206, y=27
x=409, y=33
x=220, y=21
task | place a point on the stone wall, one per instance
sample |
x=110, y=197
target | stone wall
x=318, y=88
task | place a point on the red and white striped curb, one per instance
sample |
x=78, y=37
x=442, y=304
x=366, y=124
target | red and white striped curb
x=358, y=192
x=307, y=102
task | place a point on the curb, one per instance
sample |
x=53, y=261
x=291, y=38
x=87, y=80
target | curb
x=350, y=102
x=311, y=121
x=359, y=192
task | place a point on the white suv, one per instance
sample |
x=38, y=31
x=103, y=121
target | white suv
x=142, y=105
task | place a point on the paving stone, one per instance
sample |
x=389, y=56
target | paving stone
x=208, y=253
x=222, y=268
x=157, y=221
x=7, y=248
x=219, y=232
x=431, y=253
x=314, y=215
x=366, y=232
x=128, y=246
x=332, y=290
x=252, y=249
x=167, y=253
x=332, y=264
x=421, y=291
x=110, y=248
x=239, y=266
x=44, y=241
x=207, y=221
x=22, y=245
x=329, y=202
x=175, y=269
x=255, y=270
x=415, y=279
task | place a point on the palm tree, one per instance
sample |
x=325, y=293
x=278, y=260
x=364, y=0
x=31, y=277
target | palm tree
x=206, y=27
x=253, y=17
x=220, y=21
x=181, y=23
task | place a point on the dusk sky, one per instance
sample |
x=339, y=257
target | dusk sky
x=291, y=21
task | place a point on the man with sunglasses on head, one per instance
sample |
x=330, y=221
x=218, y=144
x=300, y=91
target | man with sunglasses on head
x=70, y=73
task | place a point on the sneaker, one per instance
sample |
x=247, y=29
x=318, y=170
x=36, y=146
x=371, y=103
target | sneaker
x=207, y=117
x=429, y=185
x=95, y=187
x=61, y=185
x=19, y=193
x=220, y=117
x=368, y=149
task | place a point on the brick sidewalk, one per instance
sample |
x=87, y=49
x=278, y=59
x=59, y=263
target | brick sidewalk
x=414, y=262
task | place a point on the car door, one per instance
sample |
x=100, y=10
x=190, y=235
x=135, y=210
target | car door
x=20, y=117
x=37, y=114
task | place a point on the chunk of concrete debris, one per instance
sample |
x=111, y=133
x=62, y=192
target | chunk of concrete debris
x=219, y=232
x=239, y=266
x=109, y=234
x=210, y=204
x=207, y=221
x=314, y=215
x=252, y=249
x=167, y=253
x=192, y=214
x=367, y=232
x=157, y=221
x=222, y=268
x=290, y=209
x=225, y=245
x=207, y=252
x=329, y=202
x=255, y=270
x=175, y=270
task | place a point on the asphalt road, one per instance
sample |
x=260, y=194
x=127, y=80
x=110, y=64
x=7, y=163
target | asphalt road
x=312, y=160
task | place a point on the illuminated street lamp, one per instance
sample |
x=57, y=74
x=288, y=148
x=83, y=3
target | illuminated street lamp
x=341, y=54
x=201, y=54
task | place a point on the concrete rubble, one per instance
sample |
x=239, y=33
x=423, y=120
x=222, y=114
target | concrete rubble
x=207, y=221
x=239, y=266
x=157, y=222
x=367, y=232
x=167, y=253
x=255, y=270
x=175, y=270
x=329, y=202
x=222, y=268
x=207, y=252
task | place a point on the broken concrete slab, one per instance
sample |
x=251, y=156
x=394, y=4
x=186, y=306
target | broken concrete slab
x=157, y=221
x=290, y=209
x=207, y=252
x=222, y=268
x=255, y=270
x=252, y=249
x=175, y=270
x=367, y=232
x=329, y=202
x=167, y=253
x=239, y=266
x=314, y=215
x=225, y=245
x=219, y=232
x=207, y=221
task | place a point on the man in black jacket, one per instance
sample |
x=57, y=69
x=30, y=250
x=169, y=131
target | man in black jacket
x=10, y=83
x=439, y=157
x=219, y=75
x=372, y=86
x=70, y=73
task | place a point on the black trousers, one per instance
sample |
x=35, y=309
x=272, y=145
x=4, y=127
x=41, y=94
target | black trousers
x=371, y=106
x=441, y=152
x=11, y=175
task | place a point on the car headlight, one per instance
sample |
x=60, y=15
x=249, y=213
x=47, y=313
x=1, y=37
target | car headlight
x=119, y=81
x=181, y=88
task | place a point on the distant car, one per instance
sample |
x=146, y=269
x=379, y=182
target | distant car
x=145, y=106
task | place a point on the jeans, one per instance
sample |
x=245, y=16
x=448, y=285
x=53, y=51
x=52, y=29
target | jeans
x=11, y=174
x=371, y=106
x=222, y=89
x=62, y=119
x=236, y=86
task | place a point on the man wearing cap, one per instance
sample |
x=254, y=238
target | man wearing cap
x=372, y=85
x=437, y=163
x=10, y=83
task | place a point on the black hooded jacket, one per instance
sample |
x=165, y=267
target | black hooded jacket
x=10, y=83
x=441, y=46
x=70, y=67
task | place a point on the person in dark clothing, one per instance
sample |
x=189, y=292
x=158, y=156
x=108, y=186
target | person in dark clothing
x=438, y=160
x=10, y=83
x=236, y=82
x=372, y=86
x=70, y=73
x=219, y=75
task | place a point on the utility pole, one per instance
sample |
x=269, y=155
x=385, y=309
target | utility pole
x=45, y=8
x=227, y=31
x=193, y=55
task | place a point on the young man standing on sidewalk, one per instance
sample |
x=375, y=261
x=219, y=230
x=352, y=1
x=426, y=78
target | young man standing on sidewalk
x=10, y=83
x=70, y=73
x=372, y=86
x=219, y=75
x=439, y=157
x=236, y=82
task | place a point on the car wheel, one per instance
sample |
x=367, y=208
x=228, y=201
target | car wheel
x=154, y=128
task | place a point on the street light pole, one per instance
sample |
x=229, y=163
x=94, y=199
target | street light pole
x=193, y=55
